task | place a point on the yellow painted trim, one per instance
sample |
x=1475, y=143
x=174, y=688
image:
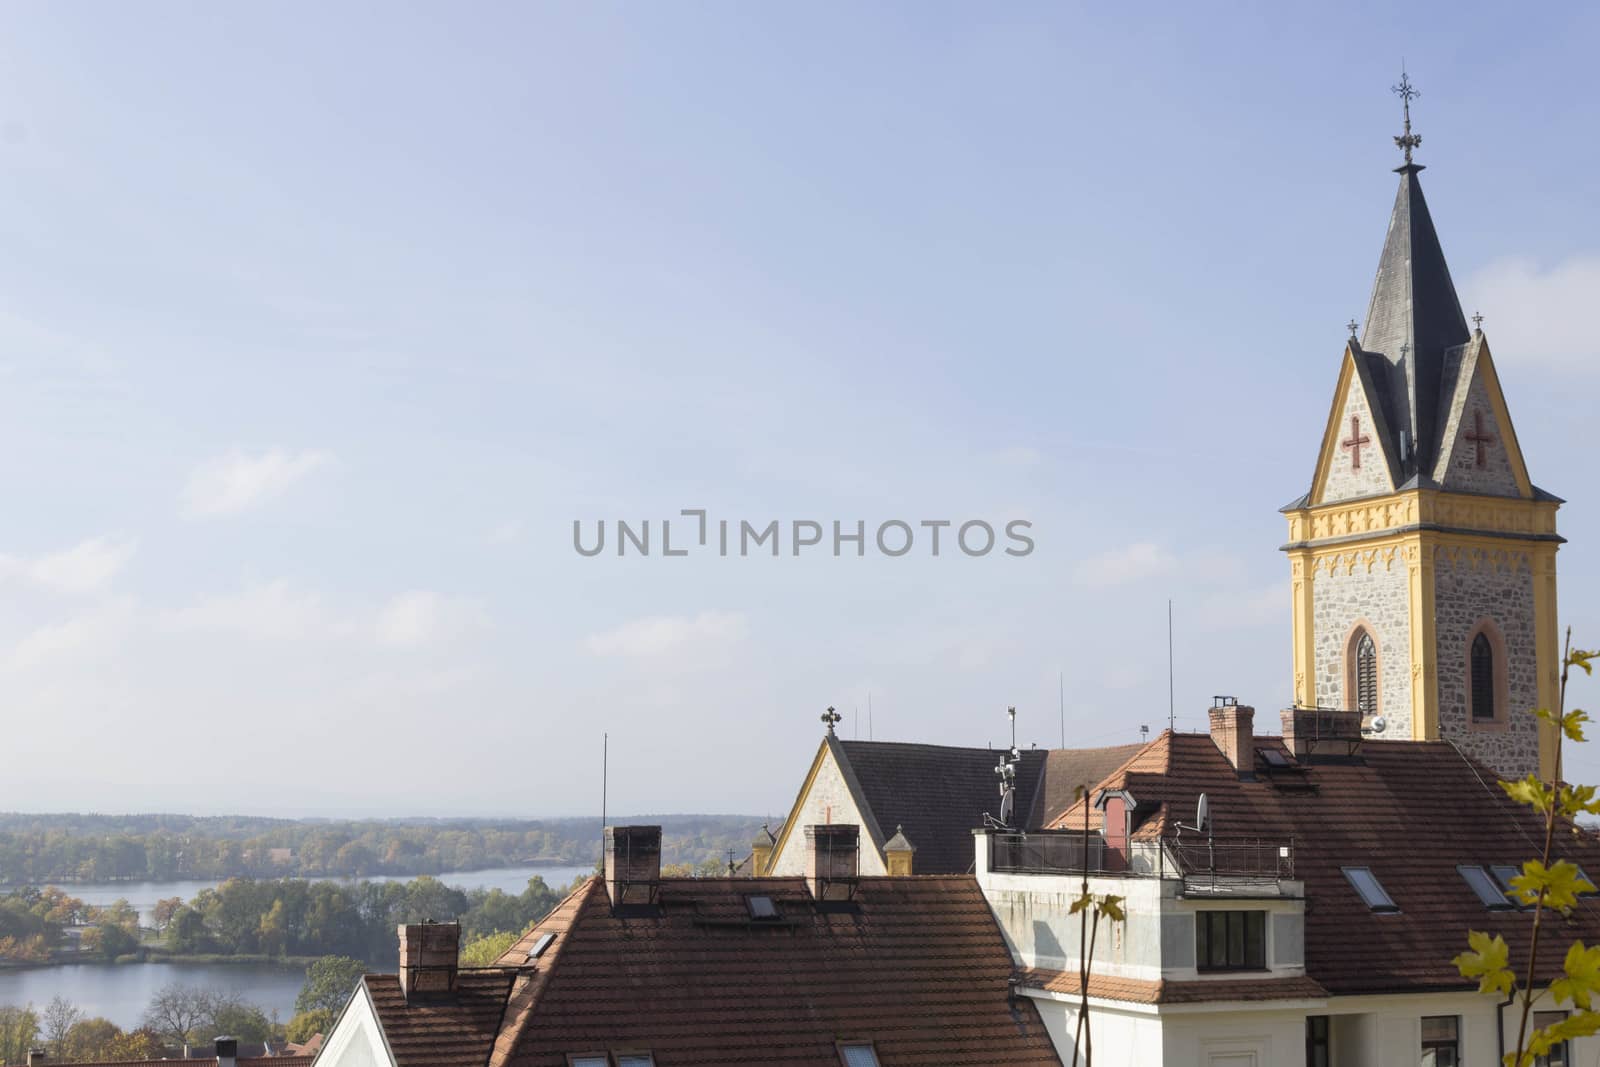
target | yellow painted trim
x=1371, y=517
x=1547, y=652
x=1502, y=416
x=1347, y=374
x=1424, y=642
x=1303, y=575
x=799, y=802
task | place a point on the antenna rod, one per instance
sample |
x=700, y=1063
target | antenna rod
x=869, y=715
x=1172, y=706
x=1061, y=680
x=605, y=753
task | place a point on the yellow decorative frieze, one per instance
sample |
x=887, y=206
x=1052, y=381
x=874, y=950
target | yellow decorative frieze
x=1503, y=515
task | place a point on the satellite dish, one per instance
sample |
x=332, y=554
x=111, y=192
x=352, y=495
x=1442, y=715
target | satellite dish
x=1378, y=724
x=1008, y=801
x=1202, y=813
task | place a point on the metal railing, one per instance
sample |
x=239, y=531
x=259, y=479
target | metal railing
x=1202, y=862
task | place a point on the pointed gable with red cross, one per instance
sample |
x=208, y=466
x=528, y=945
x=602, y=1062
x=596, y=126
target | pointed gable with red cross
x=1478, y=450
x=1356, y=458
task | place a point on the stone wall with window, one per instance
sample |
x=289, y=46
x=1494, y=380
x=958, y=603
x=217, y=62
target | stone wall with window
x=1471, y=585
x=1348, y=590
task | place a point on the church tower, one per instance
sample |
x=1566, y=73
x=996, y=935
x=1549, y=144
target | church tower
x=1423, y=560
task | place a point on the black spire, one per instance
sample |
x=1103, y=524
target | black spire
x=1414, y=317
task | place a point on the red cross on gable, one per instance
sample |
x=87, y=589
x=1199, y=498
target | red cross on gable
x=1479, y=437
x=1355, y=441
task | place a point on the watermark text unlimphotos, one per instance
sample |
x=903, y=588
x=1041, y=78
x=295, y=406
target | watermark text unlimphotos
x=696, y=533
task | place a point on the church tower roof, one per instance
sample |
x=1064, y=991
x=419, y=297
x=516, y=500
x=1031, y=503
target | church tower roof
x=1414, y=320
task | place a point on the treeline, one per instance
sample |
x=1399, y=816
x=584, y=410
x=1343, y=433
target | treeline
x=32, y=920
x=39, y=849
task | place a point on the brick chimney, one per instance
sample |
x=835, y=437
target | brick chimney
x=1321, y=730
x=633, y=864
x=227, y=1051
x=429, y=955
x=1233, y=731
x=899, y=853
x=832, y=857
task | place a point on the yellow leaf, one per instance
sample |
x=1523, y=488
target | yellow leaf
x=1572, y=723
x=1580, y=658
x=1529, y=791
x=1582, y=967
x=1112, y=906
x=1560, y=883
x=1487, y=962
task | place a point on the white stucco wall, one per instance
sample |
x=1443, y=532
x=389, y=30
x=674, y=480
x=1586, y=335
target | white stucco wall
x=827, y=801
x=356, y=1040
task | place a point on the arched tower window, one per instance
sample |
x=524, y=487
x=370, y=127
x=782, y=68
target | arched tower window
x=1482, y=678
x=1366, y=674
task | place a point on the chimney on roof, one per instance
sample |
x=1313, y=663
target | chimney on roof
x=36, y=1056
x=429, y=955
x=227, y=1051
x=832, y=860
x=761, y=852
x=633, y=864
x=1233, y=731
x=1321, y=730
x=899, y=852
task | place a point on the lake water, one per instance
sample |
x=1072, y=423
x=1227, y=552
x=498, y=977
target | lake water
x=120, y=992
x=143, y=895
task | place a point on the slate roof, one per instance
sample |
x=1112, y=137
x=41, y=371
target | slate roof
x=1065, y=769
x=439, y=1030
x=919, y=968
x=1411, y=811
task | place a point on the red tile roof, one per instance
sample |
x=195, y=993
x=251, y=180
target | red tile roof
x=918, y=967
x=1409, y=810
x=1140, y=991
x=440, y=1030
x=195, y=1061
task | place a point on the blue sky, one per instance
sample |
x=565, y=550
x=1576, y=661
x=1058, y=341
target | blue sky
x=319, y=326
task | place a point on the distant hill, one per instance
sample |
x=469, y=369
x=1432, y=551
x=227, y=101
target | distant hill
x=65, y=848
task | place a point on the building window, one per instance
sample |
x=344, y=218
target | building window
x=858, y=1054
x=1441, y=1041
x=1317, y=1041
x=1361, y=671
x=1230, y=940
x=1558, y=1056
x=1482, y=679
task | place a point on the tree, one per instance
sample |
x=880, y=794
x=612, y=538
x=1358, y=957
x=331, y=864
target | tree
x=243, y=1021
x=57, y=1020
x=329, y=983
x=161, y=915
x=110, y=940
x=483, y=951
x=308, y=1024
x=90, y=1040
x=1546, y=887
x=141, y=1044
x=19, y=1032
x=176, y=1012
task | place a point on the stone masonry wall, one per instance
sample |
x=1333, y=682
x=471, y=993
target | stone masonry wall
x=827, y=801
x=1345, y=480
x=1363, y=586
x=1459, y=468
x=1471, y=584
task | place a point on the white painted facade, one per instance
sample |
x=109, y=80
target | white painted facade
x=357, y=1038
x=1157, y=942
x=827, y=800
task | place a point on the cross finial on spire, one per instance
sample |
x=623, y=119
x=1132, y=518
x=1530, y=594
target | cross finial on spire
x=832, y=718
x=1477, y=321
x=1351, y=326
x=1407, y=93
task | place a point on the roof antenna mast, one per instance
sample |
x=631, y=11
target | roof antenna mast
x=605, y=753
x=1172, y=706
x=1061, y=683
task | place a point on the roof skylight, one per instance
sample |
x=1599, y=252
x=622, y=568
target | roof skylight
x=761, y=907
x=635, y=1059
x=539, y=946
x=858, y=1054
x=1485, y=886
x=1371, y=890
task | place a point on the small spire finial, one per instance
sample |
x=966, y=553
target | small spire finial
x=832, y=718
x=1352, y=327
x=1407, y=93
x=1477, y=321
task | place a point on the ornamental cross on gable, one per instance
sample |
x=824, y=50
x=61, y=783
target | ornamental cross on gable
x=1479, y=437
x=1355, y=441
x=832, y=718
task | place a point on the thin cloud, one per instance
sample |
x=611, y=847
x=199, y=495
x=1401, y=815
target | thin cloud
x=239, y=481
x=1541, y=315
x=86, y=567
x=1135, y=563
x=420, y=617
x=269, y=610
x=660, y=636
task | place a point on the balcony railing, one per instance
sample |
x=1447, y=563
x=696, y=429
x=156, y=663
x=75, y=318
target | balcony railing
x=1219, y=864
